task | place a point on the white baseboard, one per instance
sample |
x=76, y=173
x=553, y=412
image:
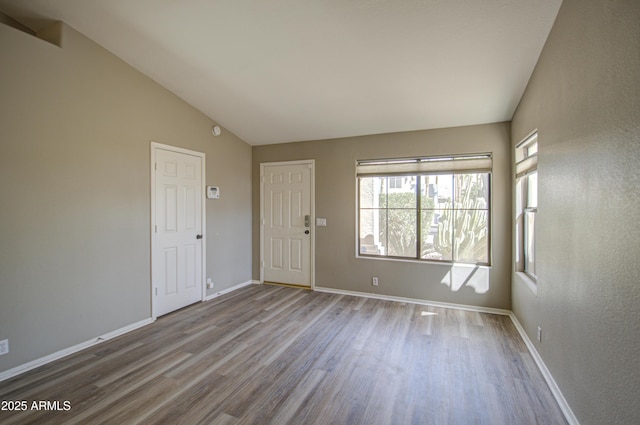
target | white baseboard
x=414, y=301
x=7, y=374
x=233, y=288
x=555, y=390
x=10, y=373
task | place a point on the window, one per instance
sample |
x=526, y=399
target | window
x=431, y=209
x=526, y=156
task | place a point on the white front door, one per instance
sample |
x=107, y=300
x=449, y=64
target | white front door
x=177, y=267
x=287, y=223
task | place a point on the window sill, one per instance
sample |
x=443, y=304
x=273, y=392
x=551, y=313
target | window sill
x=530, y=283
x=436, y=263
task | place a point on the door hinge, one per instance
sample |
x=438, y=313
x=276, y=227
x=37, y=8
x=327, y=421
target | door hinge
x=156, y=228
x=156, y=292
x=155, y=166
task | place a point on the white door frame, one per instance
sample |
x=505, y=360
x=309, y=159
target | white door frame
x=312, y=200
x=201, y=155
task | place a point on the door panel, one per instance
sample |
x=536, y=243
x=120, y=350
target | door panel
x=297, y=250
x=286, y=236
x=276, y=254
x=177, y=271
x=170, y=202
x=170, y=277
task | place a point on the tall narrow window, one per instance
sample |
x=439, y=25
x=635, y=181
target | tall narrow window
x=527, y=204
x=434, y=208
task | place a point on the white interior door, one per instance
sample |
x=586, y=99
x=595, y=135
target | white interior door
x=177, y=252
x=287, y=223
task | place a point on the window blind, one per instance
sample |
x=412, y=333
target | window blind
x=527, y=162
x=480, y=163
x=526, y=165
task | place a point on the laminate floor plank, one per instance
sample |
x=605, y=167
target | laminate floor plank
x=304, y=354
x=125, y=394
x=276, y=355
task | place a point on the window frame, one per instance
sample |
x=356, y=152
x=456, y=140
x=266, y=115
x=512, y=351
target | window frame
x=417, y=190
x=526, y=165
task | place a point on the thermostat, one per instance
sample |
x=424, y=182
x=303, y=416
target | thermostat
x=213, y=192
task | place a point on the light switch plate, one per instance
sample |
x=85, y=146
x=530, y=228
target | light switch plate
x=321, y=222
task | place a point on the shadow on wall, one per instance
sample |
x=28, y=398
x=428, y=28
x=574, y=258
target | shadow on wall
x=460, y=276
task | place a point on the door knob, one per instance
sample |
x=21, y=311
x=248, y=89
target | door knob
x=306, y=232
x=198, y=236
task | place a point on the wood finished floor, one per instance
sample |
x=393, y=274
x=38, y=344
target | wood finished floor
x=276, y=355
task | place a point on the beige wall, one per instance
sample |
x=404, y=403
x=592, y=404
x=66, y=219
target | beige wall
x=336, y=263
x=75, y=131
x=583, y=99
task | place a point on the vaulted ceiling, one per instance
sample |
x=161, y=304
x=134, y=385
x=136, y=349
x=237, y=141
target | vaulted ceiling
x=290, y=70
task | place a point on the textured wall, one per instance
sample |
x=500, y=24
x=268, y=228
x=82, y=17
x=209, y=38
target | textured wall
x=583, y=99
x=336, y=263
x=75, y=131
